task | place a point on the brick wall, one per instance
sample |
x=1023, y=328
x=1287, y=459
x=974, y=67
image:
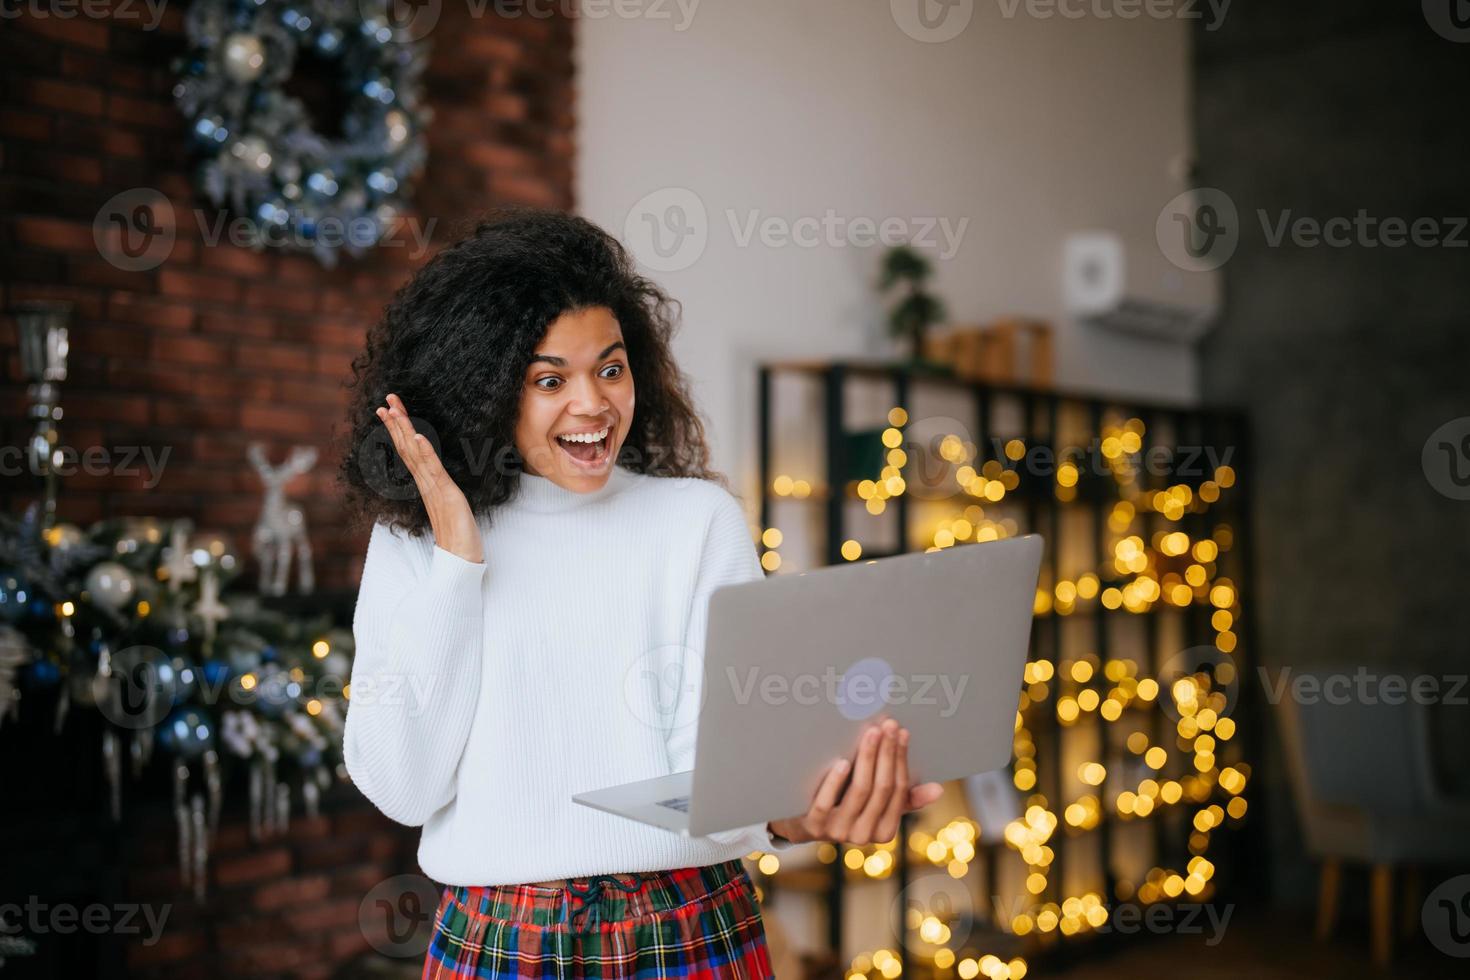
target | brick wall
x=214, y=348
x=219, y=345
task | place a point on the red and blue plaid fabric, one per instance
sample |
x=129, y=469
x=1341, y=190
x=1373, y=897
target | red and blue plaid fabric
x=686, y=922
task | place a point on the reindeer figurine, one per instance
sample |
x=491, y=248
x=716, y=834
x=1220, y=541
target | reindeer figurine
x=282, y=523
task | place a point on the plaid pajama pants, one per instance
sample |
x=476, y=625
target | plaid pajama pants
x=686, y=922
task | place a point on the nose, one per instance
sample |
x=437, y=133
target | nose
x=586, y=397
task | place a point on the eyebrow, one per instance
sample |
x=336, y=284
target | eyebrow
x=562, y=362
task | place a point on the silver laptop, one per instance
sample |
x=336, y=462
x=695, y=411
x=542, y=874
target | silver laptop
x=797, y=666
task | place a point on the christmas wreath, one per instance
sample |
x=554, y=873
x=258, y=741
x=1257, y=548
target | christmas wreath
x=322, y=186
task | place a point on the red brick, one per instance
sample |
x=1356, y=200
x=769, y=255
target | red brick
x=238, y=323
x=67, y=96
x=198, y=286
x=76, y=30
x=257, y=866
x=128, y=375
x=122, y=143
x=25, y=125
x=325, y=916
x=483, y=44
x=239, y=261
x=189, y=350
x=171, y=947
x=49, y=233
x=347, y=944
x=291, y=892
x=196, y=414
x=274, y=358
x=112, y=407
x=277, y=297
x=142, y=112
x=274, y=418
x=239, y=387
x=146, y=311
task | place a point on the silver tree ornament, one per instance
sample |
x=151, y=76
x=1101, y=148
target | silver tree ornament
x=281, y=530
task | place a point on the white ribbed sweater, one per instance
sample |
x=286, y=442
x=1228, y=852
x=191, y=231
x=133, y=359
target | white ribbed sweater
x=485, y=694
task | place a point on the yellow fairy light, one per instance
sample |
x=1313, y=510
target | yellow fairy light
x=1015, y=449
x=892, y=438
x=801, y=489
x=771, y=537
x=782, y=485
x=320, y=649
x=771, y=561
x=851, y=550
x=898, y=415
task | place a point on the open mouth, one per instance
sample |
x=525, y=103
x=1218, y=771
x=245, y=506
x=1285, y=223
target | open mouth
x=587, y=449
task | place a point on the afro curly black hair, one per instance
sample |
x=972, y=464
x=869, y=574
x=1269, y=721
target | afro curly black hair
x=455, y=344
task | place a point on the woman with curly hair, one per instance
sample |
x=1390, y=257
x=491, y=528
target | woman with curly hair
x=542, y=544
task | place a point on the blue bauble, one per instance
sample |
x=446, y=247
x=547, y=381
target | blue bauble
x=15, y=597
x=187, y=732
x=216, y=673
x=45, y=673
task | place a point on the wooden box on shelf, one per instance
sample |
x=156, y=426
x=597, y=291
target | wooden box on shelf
x=1009, y=350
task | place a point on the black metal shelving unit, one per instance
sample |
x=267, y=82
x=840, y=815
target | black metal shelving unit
x=1052, y=421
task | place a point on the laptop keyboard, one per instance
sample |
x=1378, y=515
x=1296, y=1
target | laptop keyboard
x=680, y=803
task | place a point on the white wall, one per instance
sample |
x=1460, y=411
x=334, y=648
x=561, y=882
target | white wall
x=1026, y=128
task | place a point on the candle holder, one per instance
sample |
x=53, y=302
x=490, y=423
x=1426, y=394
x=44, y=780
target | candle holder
x=42, y=326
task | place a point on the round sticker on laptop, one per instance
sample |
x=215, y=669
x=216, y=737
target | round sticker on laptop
x=860, y=692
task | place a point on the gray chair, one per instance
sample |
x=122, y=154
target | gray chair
x=1364, y=782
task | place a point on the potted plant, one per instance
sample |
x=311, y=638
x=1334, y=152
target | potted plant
x=903, y=276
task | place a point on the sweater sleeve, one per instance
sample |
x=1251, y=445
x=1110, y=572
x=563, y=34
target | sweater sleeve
x=419, y=630
x=728, y=557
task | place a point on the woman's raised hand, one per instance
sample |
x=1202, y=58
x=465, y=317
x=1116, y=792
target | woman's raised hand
x=454, y=524
x=867, y=809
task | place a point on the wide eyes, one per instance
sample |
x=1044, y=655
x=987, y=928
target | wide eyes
x=616, y=369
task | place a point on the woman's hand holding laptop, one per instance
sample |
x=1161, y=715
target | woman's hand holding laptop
x=867, y=808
